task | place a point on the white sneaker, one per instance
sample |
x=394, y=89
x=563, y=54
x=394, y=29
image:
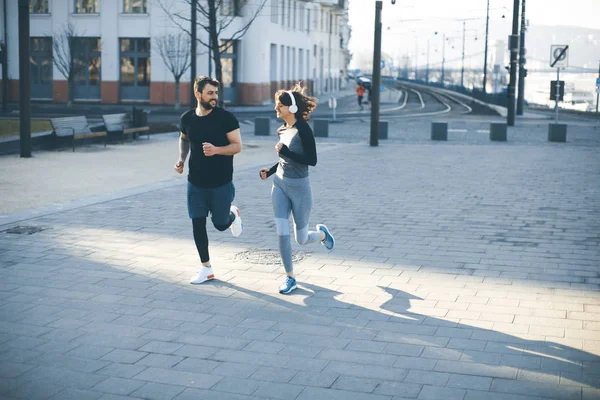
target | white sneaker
x=205, y=274
x=237, y=227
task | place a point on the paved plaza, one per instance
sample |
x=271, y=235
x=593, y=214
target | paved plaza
x=463, y=270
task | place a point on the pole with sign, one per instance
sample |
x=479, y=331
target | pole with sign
x=559, y=57
x=598, y=87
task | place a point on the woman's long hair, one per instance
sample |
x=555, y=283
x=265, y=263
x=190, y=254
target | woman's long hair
x=306, y=104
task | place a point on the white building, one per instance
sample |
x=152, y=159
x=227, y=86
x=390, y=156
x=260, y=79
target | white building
x=290, y=40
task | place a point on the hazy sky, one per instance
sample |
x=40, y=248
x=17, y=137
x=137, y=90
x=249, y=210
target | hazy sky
x=408, y=24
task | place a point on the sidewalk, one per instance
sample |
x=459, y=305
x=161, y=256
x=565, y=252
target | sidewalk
x=462, y=271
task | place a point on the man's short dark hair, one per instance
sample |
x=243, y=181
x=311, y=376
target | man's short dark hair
x=202, y=81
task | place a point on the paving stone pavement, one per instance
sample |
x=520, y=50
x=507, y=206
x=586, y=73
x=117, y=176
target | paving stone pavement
x=460, y=272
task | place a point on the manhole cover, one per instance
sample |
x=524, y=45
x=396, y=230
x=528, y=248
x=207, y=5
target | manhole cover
x=25, y=230
x=267, y=257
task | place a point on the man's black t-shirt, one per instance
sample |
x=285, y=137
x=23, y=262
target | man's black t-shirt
x=213, y=171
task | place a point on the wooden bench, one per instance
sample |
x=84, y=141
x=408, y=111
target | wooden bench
x=123, y=124
x=75, y=128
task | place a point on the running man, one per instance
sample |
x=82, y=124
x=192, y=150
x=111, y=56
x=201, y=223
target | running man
x=212, y=136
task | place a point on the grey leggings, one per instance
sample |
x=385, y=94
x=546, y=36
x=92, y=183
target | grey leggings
x=294, y=196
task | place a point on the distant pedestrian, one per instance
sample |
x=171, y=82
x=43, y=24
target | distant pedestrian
x=212, y=135
x=291, y=191
x=360, y=91
x=369, y=95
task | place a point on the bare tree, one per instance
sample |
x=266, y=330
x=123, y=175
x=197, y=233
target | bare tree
x=175, y=53
x=215, y=16
x=64, y=57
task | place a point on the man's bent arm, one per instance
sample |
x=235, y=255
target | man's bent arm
x=184, y=147
x=234, y=146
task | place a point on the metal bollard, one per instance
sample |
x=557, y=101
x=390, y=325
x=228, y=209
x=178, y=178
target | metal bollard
x=557, y=133
x=439, y=131
x=262, y=126
x=321, y=127
x=498, y=132
x=383, y=129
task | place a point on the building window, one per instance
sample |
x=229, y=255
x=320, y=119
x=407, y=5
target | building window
x=288, y=66
x=40, y=67
x=135, y=6
x=135, y=62
x=283, y=7
x=301, y=64
x=301, y=17
x=275, y=11
x=87, y=52
x=308, y=20
x=86, y=6
x=282, y=63
x=294, y=76
x=230, y=8
x=39, y=7
x=294, y=16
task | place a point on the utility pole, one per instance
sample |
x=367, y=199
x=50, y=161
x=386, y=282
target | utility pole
x=485, y=53
x=416, y=59
x=194, y=56
x=4, y=60
x=376, y=76
x=427, y=70
x=24, y=93
x=443, y=56
x=598, y=88
x=522, y=61
x=462, y=70
x=513, y=41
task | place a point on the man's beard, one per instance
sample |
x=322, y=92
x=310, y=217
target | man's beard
x=207, y=105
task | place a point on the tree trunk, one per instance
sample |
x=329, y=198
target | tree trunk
x=177, y=103
x=70, y=91
x=219, y=75
x=214, y=41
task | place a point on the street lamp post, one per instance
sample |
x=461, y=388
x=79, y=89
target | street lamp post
x=522, y=60
x=485, y=53
x=443, y=56
x=24, y=88
x=376, y=76
x=193, y=55
x=427, y=70
x=462, y=70
x=514, y=48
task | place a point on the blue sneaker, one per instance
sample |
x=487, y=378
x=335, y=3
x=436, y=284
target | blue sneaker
x=288, y=286
x=329, y=241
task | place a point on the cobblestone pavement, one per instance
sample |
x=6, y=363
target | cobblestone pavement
x=462, y=270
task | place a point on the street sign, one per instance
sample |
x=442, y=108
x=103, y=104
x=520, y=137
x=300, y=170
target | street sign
x=382, y=64
x=597, y=81
x=559, y=56
x=553, y=90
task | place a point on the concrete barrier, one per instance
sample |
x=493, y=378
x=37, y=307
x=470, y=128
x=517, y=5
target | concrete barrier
x=498, y=132
x=439, y=131
x=321, y=127
x=383, y=129
x=557, y=133
x=262, y=126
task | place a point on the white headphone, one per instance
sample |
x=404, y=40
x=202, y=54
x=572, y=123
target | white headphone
x=293, y=108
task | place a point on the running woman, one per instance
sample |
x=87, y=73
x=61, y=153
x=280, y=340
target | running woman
x=291, y=191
